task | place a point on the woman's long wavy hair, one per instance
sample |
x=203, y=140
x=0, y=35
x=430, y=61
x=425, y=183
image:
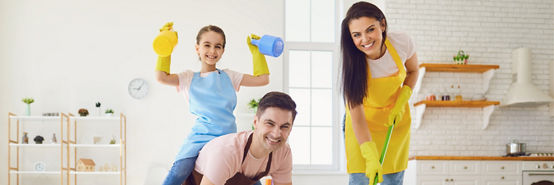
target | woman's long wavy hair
x=354, y=64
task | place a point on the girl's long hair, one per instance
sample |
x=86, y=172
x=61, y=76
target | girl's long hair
x=354, y=63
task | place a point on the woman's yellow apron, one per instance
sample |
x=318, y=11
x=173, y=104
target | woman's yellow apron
x=381, y=97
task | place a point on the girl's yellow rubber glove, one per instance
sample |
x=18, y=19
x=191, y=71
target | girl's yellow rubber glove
x=163, y=46
x=372, y=165
x=397, y=111
x=258, y=59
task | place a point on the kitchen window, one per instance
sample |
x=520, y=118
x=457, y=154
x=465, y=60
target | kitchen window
x=310, y=76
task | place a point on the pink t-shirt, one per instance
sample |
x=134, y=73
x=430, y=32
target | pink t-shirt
x=221, y=159
x=185, y=79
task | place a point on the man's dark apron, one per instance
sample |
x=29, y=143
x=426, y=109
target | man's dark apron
x=238, y=179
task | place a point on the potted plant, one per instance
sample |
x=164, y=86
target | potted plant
x=28, y=101
x=253, y=105
x=109, y=112
x=461, y=57
x=83, y=112
x=98, y=111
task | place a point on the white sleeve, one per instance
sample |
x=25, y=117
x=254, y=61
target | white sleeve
x=185, y=79
x=235, y=77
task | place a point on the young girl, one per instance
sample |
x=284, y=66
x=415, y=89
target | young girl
x=379, y=70
x=210, y=94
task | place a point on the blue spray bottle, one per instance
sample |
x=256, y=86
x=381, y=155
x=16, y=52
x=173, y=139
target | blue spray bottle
x=269, y=45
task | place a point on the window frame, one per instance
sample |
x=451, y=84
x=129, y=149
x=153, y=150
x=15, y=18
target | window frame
x=337, y=147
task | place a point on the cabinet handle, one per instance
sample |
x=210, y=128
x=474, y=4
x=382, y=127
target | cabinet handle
x=446, y=180
x=465, y=167
x=432, y=167
x=502, y=177
x=452, y=180
x=502, y=167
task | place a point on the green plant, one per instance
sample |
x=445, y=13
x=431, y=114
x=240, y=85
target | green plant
x=109, y=111
x=461, y=57
x=98, y=104
x=28, y=100
x=253, y=104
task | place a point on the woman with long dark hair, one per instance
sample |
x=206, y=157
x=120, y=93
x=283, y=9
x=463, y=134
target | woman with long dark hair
x=379, y=70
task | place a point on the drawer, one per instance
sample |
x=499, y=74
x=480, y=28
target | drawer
x=464, y=167
x=432, y=167
x=509, y=168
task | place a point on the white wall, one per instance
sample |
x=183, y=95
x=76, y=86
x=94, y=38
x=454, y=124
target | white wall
x=70, y=54
x=489, y=31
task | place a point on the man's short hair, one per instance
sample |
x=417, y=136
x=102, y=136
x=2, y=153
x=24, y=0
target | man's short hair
x=279, y=100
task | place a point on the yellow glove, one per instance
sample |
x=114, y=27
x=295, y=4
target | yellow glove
x=397, y=111
x=372, y=165
x=163, y=45
x=258, y=59
x=163, y=64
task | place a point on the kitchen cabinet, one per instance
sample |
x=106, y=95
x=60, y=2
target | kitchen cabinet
x=462, y=172
x=487, y=106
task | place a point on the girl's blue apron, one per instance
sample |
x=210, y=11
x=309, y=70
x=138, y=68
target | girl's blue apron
x=212, y=99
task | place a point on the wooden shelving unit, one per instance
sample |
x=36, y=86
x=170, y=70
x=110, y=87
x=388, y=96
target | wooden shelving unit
x=75, y=145
x=466, y=68
x=487, y=106
x=68, y=145
x=16, y=144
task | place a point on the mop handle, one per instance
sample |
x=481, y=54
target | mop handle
x=384, y=151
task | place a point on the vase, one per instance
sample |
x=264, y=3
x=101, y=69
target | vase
x=28, y=110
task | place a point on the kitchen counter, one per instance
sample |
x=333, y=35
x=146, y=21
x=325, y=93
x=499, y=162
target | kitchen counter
x=482, y=158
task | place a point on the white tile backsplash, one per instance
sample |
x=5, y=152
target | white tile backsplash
x=488, y=31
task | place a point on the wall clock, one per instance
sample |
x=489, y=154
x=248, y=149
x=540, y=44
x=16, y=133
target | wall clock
x=138, y=88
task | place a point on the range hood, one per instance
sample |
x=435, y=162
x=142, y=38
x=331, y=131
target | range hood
x=523, y=92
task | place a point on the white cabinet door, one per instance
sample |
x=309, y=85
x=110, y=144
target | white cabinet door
x=502, y=180
x=433, y=180
x=464, y=180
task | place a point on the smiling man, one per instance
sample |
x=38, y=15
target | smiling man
x=245, y=157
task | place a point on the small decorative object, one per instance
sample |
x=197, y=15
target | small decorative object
x=83, y=112
x=51, y=114
x=112, y=141
x=109, y=112
x=253, y=104
x=96, y=139
x=98, y=110
x=106, y=167
x=85, y=165
x=39, y=166
x=25, y=139
x=54, y=140
x=461, y=57
x=38, y=139
x=28, y=101
x=138, y=88
x=114, y=167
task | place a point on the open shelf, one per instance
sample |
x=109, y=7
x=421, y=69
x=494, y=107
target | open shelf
x=94, y=173
x=487, y=72
x=35, y=145
x=468, y=68
x=96, y=145
x=37, y=172
x=457, y=103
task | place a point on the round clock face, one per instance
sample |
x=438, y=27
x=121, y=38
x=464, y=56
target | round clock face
x=39, y=166
x=138, y=88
